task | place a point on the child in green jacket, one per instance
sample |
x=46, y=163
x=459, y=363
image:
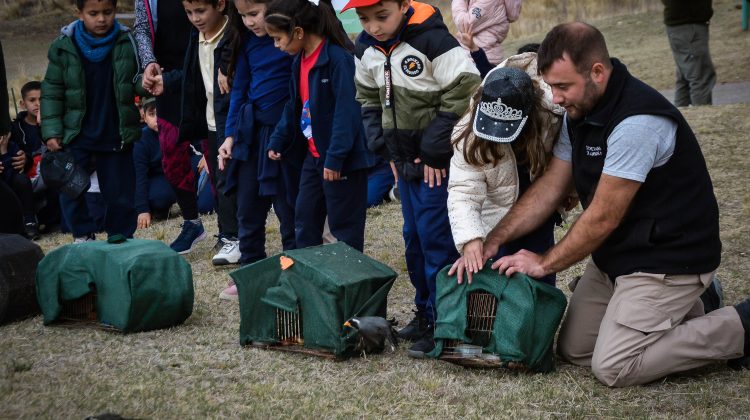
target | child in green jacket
x=88, y=110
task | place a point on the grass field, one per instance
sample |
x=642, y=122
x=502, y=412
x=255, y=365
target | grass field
x=199, y=370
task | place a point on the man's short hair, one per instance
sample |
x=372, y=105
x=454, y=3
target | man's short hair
x=583, y=43
x=29, y=86
x=81, y=3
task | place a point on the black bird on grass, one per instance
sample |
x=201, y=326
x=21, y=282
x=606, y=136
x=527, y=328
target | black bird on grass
x=375, y=334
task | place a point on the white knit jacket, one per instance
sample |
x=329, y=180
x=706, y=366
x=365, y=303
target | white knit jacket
x=479, y=197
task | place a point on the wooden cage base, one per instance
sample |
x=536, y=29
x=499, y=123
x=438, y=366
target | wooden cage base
x=295, y=348
x=480, y=363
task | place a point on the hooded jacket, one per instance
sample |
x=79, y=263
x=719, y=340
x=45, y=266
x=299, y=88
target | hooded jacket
x=414, y=93
x=479, y=197
x=64, y=88
x=489, y=21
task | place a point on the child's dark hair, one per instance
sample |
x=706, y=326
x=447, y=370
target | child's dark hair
x=149, y=106
x=29, y=86
x=81, y=3
x=533, y=47
x=213, y=3
x=285, y=15
x=239, y=31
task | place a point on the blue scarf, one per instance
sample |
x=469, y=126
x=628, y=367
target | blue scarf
x=95, y=49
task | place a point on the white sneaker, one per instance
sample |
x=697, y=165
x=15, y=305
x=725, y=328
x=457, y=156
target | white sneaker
x=81, y=239
x=228, y=254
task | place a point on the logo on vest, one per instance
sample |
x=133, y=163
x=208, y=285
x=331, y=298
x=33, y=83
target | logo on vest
x=412, y=66
x=593, y=151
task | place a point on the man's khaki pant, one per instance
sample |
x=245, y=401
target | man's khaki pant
x=645, y=326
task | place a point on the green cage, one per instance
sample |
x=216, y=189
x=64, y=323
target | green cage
x=513, y=320
x=136, y=285
x=303, y=308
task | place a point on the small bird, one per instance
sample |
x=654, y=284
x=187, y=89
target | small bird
x=375, y=334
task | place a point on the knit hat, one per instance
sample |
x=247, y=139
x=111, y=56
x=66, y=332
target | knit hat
x=507, y=100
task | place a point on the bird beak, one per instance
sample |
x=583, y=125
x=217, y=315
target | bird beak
x=347, y=324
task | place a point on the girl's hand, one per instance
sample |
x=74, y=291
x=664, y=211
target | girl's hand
x=144, y=220
x=158, y=87
x=471, y=261
x=432, y=176
x=330, y=175
x=149, y=74
x=224, y=87
x=395, y=171
x=202, y=165
x=274, y=155
x=465, y=37
x=225, y=152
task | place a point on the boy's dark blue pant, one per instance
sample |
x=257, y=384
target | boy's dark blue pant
x=117, y=184
x=252, y=212
x=379, y=183
x=161, y=196
x=427, y=237
x=343, y=201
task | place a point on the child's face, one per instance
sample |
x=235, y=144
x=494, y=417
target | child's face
x=383, y=20
x=30, y=102
x=98, y=17
x=150, y=118
x=204, y=16
x=290, y=44
x=252, y=16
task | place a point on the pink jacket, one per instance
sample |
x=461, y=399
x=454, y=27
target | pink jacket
x=489, y=21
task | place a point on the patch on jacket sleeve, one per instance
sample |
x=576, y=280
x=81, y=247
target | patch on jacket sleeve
x=477, y=12
x=412, y=66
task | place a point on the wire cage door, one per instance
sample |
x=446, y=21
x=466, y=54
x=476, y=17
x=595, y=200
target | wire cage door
x=289, y=327
x=481, y=310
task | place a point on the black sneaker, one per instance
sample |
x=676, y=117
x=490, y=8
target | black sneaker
x=743, y=310
x=423, y=346
x=31, y=231
x=415, y=329
x=713, y=296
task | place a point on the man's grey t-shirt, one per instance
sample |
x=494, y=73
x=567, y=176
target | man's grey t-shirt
x=636, y=145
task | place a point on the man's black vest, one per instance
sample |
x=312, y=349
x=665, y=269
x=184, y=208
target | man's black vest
x=672, y=226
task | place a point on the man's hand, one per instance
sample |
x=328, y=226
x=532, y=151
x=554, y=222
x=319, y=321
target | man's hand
x=331, y=175
x=471, y=261
x=225, y=152
x=158, y=87
x=432, y=176
x=223, y=80
x=274, y=155
x=523, y=261
x=144, y=220
x=53, y=144
x=19, y=161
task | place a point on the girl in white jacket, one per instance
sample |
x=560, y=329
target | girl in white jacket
x=487, y=21
x=501, y=145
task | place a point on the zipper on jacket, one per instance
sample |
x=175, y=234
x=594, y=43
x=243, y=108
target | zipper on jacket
x=390, y=97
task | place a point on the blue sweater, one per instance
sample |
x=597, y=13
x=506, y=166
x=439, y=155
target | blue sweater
x=336, y=114
x=147, y=162
x=261, y=78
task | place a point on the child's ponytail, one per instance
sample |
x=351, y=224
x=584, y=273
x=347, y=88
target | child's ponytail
x=315, y=17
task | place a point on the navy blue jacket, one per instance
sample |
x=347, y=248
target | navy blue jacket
x=193, y=125
x=336, y=114
x=7, y=161
x=147, y=163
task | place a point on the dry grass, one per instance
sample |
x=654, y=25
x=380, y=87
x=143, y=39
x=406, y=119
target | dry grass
x=199, y=370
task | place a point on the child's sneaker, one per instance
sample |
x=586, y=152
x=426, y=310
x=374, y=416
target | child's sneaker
x=81, y=239
x=31, y=231
x=228, y=254
x=230, y=293
x=192, y=233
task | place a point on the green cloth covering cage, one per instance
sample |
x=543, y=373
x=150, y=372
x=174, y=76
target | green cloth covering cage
x=515, y=319
x=136, y=285
x=324, y=287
